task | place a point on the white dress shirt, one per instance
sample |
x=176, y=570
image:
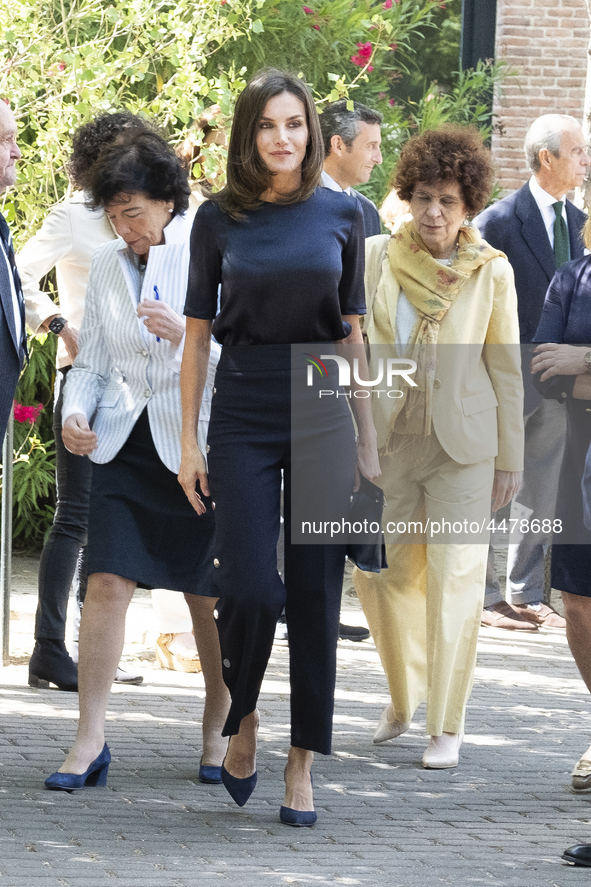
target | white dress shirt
x=68, y=239
x=329, y=182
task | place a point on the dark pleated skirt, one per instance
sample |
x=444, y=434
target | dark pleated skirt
x=141, y=525
x=571, y=563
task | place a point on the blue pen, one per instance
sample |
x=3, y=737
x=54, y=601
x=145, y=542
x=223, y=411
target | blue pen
x=157, y=297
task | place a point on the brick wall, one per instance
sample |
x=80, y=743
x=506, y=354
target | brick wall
x=546, y=42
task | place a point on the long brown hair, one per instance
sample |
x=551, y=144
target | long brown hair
x=247, y=176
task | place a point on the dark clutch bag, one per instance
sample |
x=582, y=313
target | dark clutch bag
x=368, y=551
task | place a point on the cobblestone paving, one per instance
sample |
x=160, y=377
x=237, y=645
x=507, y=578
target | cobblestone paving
x=503, y=817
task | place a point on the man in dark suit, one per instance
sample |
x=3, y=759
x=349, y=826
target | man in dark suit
x=12, y=310
x=539, y=230
x=352, y=142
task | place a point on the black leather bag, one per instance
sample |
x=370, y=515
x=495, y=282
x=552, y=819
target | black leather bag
x=367, y=550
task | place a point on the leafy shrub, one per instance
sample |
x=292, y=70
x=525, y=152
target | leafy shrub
x=61, y=63
x=33, y=479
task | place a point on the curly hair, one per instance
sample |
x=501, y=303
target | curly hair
x=450, y=154
x=139, y=162
x=89, y=140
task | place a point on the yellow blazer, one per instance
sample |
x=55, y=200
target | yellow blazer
x=478, y=391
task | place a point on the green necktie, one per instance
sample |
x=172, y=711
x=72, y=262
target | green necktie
x=561, y=244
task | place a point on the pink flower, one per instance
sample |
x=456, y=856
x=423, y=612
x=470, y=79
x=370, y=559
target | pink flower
x=316, y=27
x=392, y=102
x=387, y=4
x=361, y=62
x=381, y=95
x=308, y=11
x=223, y=2
x=364, y=49
x=56, y=68
x=26, y=414
x=393, y=47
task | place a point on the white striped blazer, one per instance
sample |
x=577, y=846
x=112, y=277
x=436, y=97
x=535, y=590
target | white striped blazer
x=121, y=367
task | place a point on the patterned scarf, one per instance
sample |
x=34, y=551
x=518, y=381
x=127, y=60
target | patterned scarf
x=431, y=288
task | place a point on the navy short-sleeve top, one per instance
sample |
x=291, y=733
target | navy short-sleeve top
x=287, y=271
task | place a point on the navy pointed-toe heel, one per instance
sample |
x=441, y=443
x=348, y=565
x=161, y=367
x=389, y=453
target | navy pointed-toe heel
x=297, y=818
x=209, y=774
x=239, y=790
x=94, y=776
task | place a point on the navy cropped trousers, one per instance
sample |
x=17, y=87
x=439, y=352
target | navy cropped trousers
x=249, y=445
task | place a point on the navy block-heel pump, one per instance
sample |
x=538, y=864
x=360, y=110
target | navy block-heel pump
x=94, y=776
x=209, y=774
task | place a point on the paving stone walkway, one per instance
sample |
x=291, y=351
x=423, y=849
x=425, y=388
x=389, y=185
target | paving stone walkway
x=502, y=817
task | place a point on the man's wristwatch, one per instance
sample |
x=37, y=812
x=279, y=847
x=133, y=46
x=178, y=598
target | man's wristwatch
x=588, y=361
x=58, y=323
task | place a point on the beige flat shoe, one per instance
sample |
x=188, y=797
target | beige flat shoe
x=165, y=658
x=389, y=729
x=443, y=751
x=581, y=775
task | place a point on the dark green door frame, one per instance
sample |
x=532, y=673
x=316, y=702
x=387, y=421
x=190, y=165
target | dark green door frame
x=479, y=18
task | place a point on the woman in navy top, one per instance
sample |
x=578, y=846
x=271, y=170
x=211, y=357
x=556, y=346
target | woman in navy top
x=562, y=364
x=289, y=258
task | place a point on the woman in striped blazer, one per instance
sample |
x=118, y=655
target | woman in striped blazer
x=122, y=408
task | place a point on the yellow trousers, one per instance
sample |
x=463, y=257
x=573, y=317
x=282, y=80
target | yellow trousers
x=424, y=611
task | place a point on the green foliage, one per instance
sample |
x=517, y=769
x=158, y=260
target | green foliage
x=468, y=102
x=319, y=42
x=62, y=61
x=33, y=500
x=434, y=61
x=33, y=479
x=37, y=380
x=65, y=60
x=34, y=456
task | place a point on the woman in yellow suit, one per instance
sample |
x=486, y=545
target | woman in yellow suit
x=441, y=296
